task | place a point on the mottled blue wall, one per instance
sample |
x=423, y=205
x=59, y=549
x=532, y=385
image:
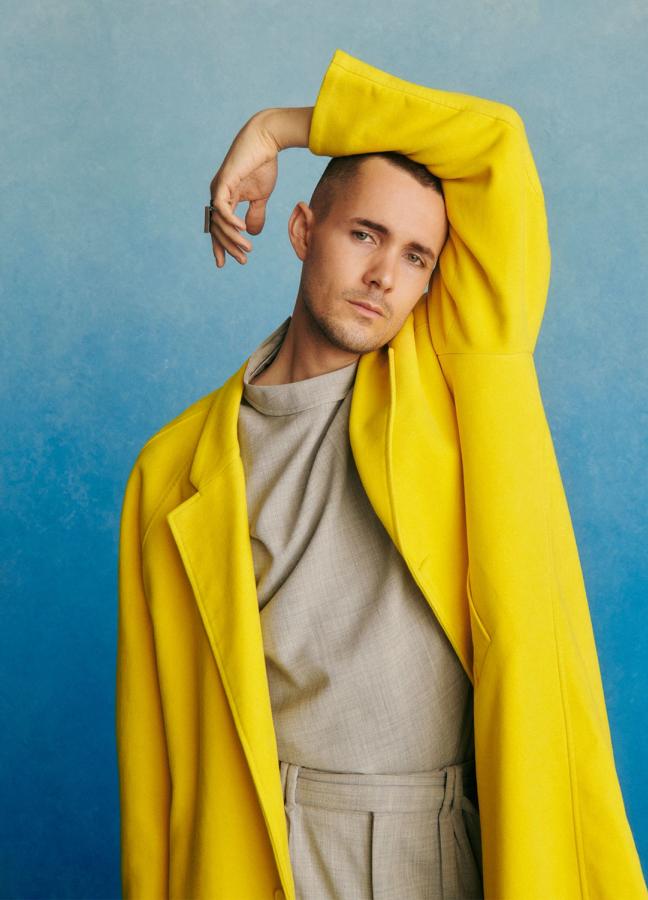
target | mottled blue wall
x=114, y=118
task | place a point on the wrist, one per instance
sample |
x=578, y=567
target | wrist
x=286, y=126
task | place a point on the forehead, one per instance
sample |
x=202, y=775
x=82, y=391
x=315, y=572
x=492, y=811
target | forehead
x=384, y=193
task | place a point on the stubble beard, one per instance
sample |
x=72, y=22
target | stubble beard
x=341, y=333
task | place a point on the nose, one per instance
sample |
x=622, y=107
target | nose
x=380, y=271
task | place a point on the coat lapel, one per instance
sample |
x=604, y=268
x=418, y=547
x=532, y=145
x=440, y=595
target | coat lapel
x=403, y=434
x=211, y=532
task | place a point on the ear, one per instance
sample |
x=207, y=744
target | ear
x=300, y=228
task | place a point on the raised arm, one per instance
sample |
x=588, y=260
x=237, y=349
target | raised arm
x=490, y=289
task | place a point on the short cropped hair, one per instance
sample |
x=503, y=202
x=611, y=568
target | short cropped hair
x=341, y=170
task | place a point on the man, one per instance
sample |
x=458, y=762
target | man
x=351, y=568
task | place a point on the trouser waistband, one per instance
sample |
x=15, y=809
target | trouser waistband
x=408, y=792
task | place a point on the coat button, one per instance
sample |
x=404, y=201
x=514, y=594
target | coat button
x=279, y=895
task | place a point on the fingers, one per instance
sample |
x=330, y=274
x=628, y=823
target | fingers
x=220, y=250
x=230, y=239
x=226, y=237
x=255, y=217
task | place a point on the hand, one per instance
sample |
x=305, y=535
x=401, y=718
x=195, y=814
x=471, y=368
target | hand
x=248, y=172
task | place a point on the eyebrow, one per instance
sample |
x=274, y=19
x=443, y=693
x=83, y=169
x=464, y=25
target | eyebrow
x=382, y=229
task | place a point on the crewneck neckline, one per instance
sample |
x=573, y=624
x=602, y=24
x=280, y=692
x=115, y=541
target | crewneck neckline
x=294, y=396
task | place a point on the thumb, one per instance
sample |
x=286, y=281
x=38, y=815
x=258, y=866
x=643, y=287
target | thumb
x=255, y=216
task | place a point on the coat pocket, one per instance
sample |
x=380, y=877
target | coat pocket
x=480, y=636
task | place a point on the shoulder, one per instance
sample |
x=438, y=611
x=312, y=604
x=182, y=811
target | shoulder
x=179, y=434
x=161, y=467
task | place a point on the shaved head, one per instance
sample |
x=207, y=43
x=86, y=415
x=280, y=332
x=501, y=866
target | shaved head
x=342, y=170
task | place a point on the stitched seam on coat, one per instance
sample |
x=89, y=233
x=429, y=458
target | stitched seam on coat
x=162, y=499
x=486, y=353
x=567, y=723
x=476, y=112
x=389, y=445
x=411, y=93
x=472, y=610
x=228, y=459
x=165, y=429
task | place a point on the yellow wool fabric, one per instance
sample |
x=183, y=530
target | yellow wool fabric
x=452, y=445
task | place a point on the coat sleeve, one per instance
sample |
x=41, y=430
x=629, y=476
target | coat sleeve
x=494, y=267
x=144, y=783
x=545, y=759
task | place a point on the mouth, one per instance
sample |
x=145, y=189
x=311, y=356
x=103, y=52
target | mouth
x=367, y=309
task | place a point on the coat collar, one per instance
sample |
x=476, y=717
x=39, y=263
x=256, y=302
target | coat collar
x=369, y=415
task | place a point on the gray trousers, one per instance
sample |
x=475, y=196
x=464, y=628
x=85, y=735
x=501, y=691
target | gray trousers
x=361, y=836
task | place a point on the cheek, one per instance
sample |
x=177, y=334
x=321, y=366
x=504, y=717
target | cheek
x=323, y=261
x=336, y=271
x=318, y=278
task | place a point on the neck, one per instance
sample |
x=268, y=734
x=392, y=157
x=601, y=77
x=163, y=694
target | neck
x=304, y=353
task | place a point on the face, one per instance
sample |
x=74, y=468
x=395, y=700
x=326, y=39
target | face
x=370, y=248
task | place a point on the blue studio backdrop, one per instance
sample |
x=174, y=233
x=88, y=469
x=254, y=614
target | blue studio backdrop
x=115, y=117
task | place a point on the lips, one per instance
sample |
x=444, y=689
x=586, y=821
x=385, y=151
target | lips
x=368, y=308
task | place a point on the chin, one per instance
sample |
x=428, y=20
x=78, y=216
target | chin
x=356, y=337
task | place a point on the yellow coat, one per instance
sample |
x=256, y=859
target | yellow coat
x=451, y=442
